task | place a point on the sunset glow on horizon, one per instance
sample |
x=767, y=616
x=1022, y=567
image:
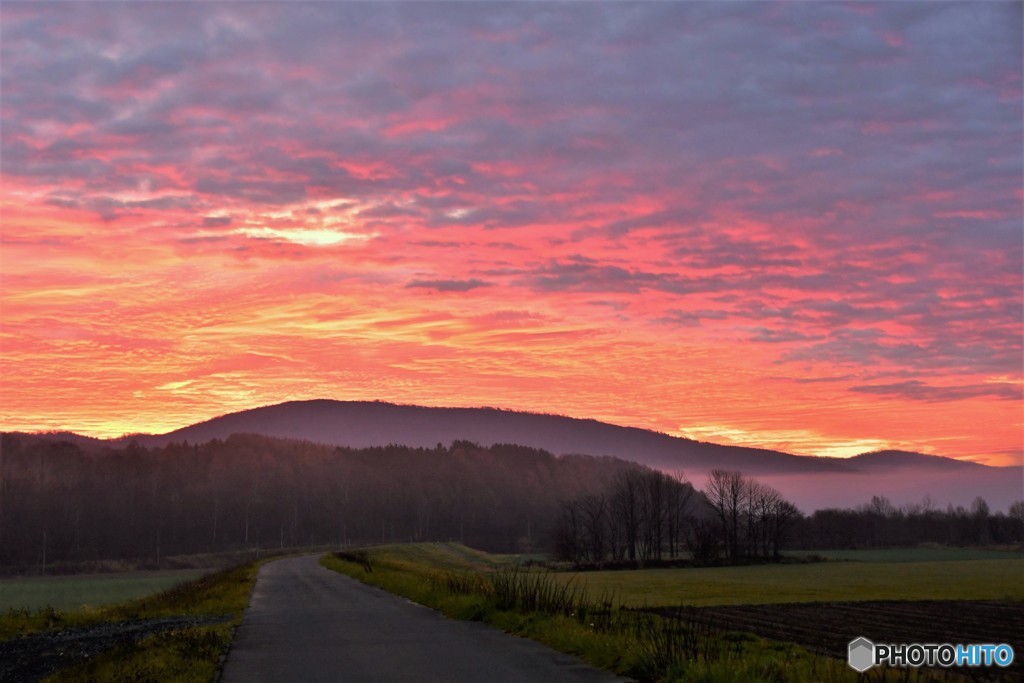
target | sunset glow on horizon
x=793, y=226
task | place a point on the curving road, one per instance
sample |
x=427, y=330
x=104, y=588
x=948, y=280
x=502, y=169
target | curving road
x=306, y=623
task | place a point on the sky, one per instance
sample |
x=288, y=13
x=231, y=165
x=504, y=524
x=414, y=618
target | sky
x=789, y=225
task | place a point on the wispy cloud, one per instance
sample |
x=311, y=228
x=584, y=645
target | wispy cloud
x=688, y=202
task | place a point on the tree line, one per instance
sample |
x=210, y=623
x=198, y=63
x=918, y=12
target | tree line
x=640, y=515
x=880, y=523
x=60, y=503
x=645, y=516
x=648, y=516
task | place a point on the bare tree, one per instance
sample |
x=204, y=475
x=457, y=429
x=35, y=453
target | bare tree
x=680, y=495
x=626, y=507
x=726, y=494
x=593, y=511
x=704, y=540
x=568, y=532
x=653, y=513
x=785, y=515
x=980, y=514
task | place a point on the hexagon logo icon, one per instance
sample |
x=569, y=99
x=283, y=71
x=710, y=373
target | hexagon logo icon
x=861, y=654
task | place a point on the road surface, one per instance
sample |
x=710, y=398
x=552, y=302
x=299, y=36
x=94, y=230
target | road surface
x=306, y=623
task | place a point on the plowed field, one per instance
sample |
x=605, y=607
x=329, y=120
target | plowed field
x=827, y=627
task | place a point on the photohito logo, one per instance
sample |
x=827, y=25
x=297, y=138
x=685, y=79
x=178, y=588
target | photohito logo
x=862, y=654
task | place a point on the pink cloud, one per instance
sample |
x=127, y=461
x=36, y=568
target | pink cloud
x=686, y=216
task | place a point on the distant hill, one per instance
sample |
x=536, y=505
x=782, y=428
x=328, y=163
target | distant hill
x=876, y=460
x=363, y=424
x=87, y=443
x=811, y=482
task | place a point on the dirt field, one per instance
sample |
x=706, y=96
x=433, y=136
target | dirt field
x=827, y=627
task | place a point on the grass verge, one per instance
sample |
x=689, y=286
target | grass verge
x=183, y=654
x=541, y=606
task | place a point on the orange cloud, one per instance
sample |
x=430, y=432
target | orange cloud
x=296, y=205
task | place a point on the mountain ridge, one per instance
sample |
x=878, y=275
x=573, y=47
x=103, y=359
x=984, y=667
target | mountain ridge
x=360, y=424
x=374, y=423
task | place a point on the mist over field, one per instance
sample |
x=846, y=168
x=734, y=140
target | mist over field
x=1000, y=487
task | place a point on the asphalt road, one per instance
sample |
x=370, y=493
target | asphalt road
x=306, y=623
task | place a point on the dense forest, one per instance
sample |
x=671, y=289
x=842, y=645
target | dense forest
x=62, y=502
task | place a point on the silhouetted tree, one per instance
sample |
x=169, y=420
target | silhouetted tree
x=726, y=494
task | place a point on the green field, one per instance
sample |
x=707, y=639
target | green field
x=897, y=574
x=73, y=592
x=930, y=554
x=815, y=582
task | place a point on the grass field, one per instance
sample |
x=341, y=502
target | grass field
x=928, y=554
x=67, y=593
x=898, y=574
x=815, y=582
